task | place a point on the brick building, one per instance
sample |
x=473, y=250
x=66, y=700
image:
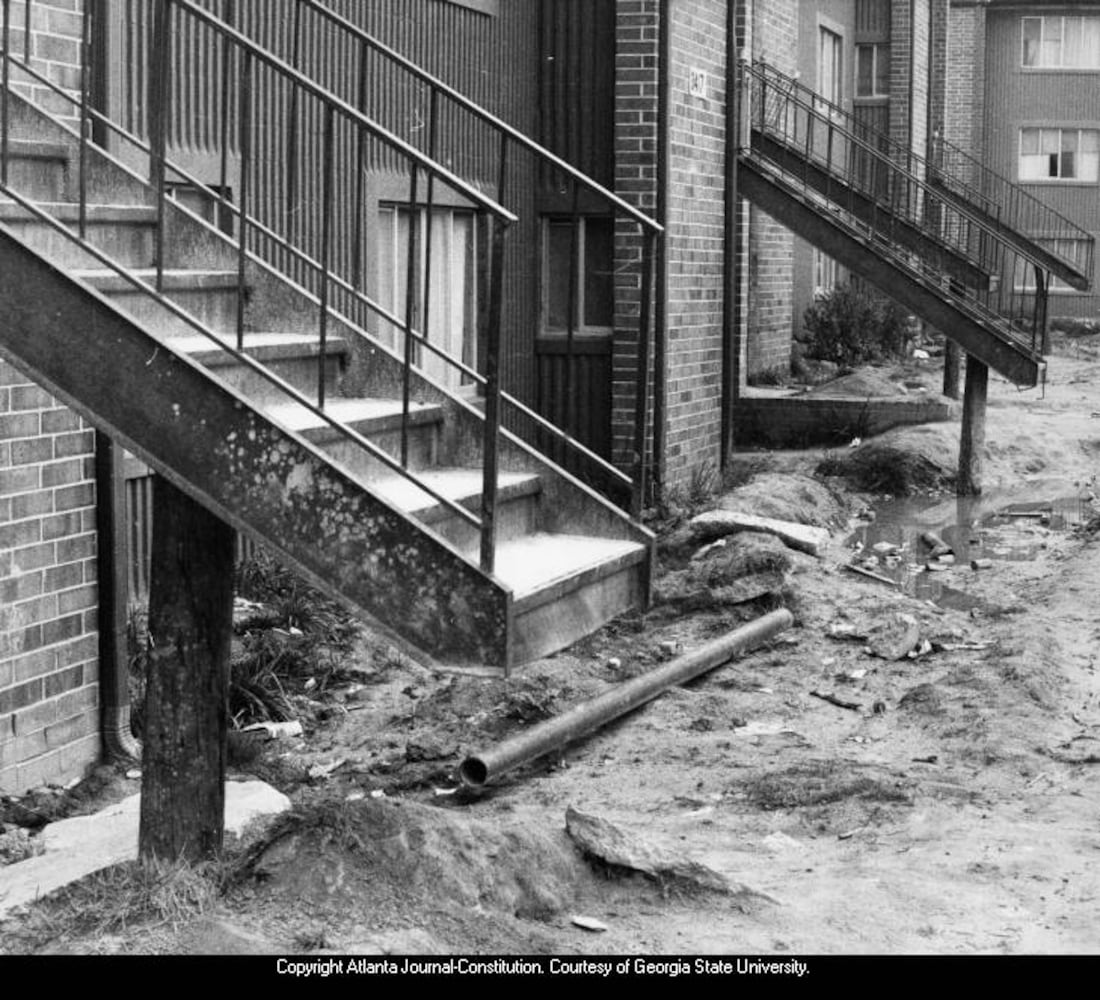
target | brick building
x=648, y=102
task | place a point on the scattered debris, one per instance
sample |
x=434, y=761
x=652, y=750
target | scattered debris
x=276, y=730
x=862, y=571
x=321, y=772
x=589, y=924
x=895, y=638
x=832, y=699
x=979, y=564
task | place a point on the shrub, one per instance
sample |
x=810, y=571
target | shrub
x=851, y=326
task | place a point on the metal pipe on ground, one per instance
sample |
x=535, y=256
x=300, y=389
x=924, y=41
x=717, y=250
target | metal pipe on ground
x=480, y=769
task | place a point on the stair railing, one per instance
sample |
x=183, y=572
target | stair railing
x=443, y=117
x=247, y=58
x=955, y=171
x=812, y=144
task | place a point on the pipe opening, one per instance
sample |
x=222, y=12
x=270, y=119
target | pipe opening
x=474, y=772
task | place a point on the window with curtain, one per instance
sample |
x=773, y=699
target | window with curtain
x=1055, y=42
x=1059, y=154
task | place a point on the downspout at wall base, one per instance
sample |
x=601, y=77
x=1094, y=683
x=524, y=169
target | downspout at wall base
x=660, y=318
x=114, y=665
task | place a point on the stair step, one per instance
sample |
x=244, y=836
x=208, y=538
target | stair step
x=123, y=232
x=517, y=503
x=291, y=356
x=376, y=419
x=37, y=170
x=210, y=296
x=566, y=586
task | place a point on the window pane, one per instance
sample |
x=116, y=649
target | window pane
x=1069, y=153
x=1090, y=43
x=559, y=252
x=865, y=70
x=1051, y=52
x=882, y=69
x=1033, y=168
x=1033, y=31
x=1029, y=141
x=1072, y=42
x=1050, y=140
x=599, y=254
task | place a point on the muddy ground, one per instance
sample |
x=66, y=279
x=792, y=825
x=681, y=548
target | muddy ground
x=953, y=810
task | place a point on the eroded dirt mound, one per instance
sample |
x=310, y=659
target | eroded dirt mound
x=786, y=497
x=900, y=462
x=377, y=857
x=865, y=382
x=734, y=570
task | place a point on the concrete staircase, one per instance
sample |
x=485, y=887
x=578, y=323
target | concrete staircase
x=394, y=546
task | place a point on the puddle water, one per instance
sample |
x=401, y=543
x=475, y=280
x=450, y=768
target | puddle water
x=997, y=527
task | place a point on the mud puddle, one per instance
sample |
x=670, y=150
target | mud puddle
x=899, y=544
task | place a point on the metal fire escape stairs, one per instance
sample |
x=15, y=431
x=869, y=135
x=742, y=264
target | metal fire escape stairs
x=225, y=357
x=965, y=249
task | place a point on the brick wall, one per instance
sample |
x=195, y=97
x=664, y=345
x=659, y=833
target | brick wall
x=773, y=36
x=964, y=78
x=636, y=85
x=696, y=239
x=56, y=28
x=49, y=718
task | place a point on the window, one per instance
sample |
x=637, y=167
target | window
x=826, y=273
x=1061, y=42
x=452, y=320
x=1064, y=154
x=829, y=65
x=873, y=70
x=1075, y=251
x=590, y=279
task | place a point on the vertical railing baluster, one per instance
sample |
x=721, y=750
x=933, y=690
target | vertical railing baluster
x=641, y=388
x=85, y=96
x=357, y=256
x=244, y=143
x=229, y=15
x=426, y=308
x=158, y=133
x=573, y=299
x=27, y=16
x=326, y=247
x=292, y=139
x=491, y=445
x=5, y=83
x=410, y=310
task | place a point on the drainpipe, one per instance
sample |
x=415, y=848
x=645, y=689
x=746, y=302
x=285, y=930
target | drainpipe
x=660, y=324
x=114, y=665
x=731, y=305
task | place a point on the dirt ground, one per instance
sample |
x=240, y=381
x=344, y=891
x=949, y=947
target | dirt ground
x=953, y=811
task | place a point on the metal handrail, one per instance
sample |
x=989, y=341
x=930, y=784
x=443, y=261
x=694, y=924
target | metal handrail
x=524, y=411
x=1046, y=222
x=498, y=124
x=777, y=111
x=241, y=357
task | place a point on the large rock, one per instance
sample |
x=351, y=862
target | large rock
x=732, y=571
x=720, y=523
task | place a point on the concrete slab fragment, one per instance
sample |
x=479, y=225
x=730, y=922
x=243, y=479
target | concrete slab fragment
x=718, y=523
x=77, y=847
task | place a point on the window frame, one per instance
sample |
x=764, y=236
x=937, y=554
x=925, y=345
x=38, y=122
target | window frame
x=879, y=54
x=580, y=327
x=1060, y=66
x=1059, y=178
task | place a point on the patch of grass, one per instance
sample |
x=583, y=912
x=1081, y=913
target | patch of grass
x=818, y=783
x=126, y=896
x=851, y=326
x=879, y=469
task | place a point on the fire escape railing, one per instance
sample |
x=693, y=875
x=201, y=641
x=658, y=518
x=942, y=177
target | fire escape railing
x=987, y=192
x=837, y=164
x=242, y=61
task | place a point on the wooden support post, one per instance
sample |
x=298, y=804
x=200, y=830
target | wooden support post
x=972, y=445
x=190, y=626
x=952, y=367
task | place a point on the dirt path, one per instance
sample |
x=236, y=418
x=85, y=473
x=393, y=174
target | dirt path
x=945, y=815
